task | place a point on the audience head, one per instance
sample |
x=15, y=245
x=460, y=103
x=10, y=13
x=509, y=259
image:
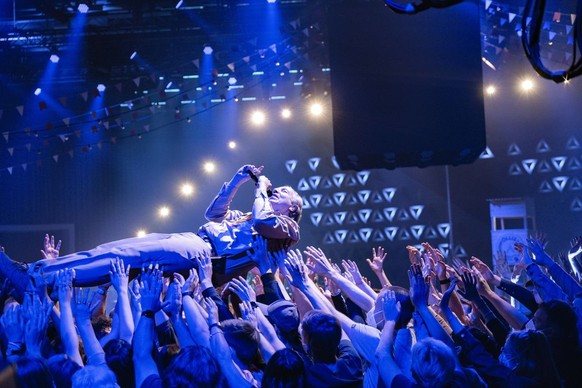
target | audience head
x=285, y=369
x=283, y=313
x=433, y=363
x=101, y=326
x=321, y=333
x=528, y=354
x=244, y=340
x=32, y=372
x=92, y=376
x=194, y=366
x=558, y=321
x=118, y=355
x=62, y=369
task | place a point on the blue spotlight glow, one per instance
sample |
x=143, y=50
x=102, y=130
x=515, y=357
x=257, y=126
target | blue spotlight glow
x=207, y=50
x=37, y=91
x=271, y=1
x=232, y=81
x=179, y=4
x=101, y=88
x=83, y=8
x=133, y=55
x=54, y=58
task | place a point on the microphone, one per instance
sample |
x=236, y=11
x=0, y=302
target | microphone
x=256, y=179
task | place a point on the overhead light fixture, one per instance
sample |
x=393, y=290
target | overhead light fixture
x=101, y=88
x=83, y=8
x=54, y=58
x=133, y=55
x=207, y=50
x=37, y=91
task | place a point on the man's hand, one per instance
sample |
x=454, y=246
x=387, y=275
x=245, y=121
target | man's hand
x=242, y=289
x=536, y=246
x=242, y=175
x=82, y=306
x=205, y=270
x=12, y=321
x=118, y=274
x=37, y=321
x=173, y=300
x=377, y=262
x=390, y=306
x=260, y=255
x=296, y=268
x=470, y=286
x=50, y=251
x=351, y=267
x=418, y=287
x=64, y=283
x=151, y=289
x=318, y=262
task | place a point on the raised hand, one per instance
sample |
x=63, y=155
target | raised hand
x=444, y=305
x=187, y=285
x=390, y=306
x=351, y=267
x=12, y=321
x=413, y=254
x=248, y=313
x=151, y=285
x=204, y=269
x=418, y=287
x=260, y=254
x=212, y=311
x=135, y=296
x=377, y=262
x=319, y=263
x=173, y=306
x=64, y=284
x=483, y=269
x=242, y=289
x=50, y=251
x=470, y=286
x=37, y=321
x=242, y=174
x=83, y=304
x=119, y=274
x=296, y=268
x=536, y=246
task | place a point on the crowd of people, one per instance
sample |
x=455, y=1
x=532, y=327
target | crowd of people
x=235, y=305
x=299, y=320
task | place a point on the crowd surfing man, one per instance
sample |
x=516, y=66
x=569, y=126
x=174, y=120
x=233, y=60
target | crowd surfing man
x=227, y=238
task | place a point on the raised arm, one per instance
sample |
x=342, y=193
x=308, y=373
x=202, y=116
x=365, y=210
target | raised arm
x=64, y=283
x=220, y=206
x=387, y=365
x=377, y=266
x=351, y=267
x=82, y=313
x=321, y=265
x=119, y=275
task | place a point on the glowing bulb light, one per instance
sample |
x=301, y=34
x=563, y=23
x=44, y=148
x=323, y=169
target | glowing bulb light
x=286, y=113
x=54, y=58
x=258, y=117
x=164, y=211
x=527, y=85
x=316, y=109
x=140, y=233
x=209, y=167
x=83, y=8
x=232, y=145
x=490, y=90
x=187, y=189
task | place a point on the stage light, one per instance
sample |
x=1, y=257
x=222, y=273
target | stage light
x=207, y=50
x=54, y=58
x=140, y=233
x=286, y=113
x=232, y=81
x=187, y=189
x=83, y=8
x=37, y=91
x=258, y=117
x=101, y=88
x=271, y=1
x=209, y=167
x=133, y=55
x=164, y=212
x=490, y=90
x=527, y=85
x=179, y=4
x=316, y=109
x=232, y=145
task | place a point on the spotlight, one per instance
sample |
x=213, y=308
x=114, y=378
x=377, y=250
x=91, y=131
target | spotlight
x=164, y=212
x=258, y=117
x=179, y=4
x=286, y=113
x=140, y=233
x=187, y=189
x=316, y=109
x=271, y=1
x=232, y=81
x=232, y=145
x=37, y=91
x=83, y=8
x=207, y=50
x=209, y=167
x=490, y=90
x=54, y=58
x=527, y=85
x=101, y=88
x=133, y=55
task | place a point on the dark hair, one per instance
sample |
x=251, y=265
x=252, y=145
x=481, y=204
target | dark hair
x=32, y=372
x=285, y=369
x=62, y=369
x=528, y=353
x=561, y=324
x=245, y=340
x=194, y=366
x=118, y=354
x=406, y=307
x=101, y=326
x=323, y=333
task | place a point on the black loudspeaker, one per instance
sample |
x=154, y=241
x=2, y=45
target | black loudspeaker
x=407, y=90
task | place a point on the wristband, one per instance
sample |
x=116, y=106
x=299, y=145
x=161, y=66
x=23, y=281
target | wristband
x=254, y=304
x=445, y=281
x=148, y=314
x=215, y=324
x=188, y=293
x=100, y=291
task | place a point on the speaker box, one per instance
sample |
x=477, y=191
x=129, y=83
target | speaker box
x=407, y=90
